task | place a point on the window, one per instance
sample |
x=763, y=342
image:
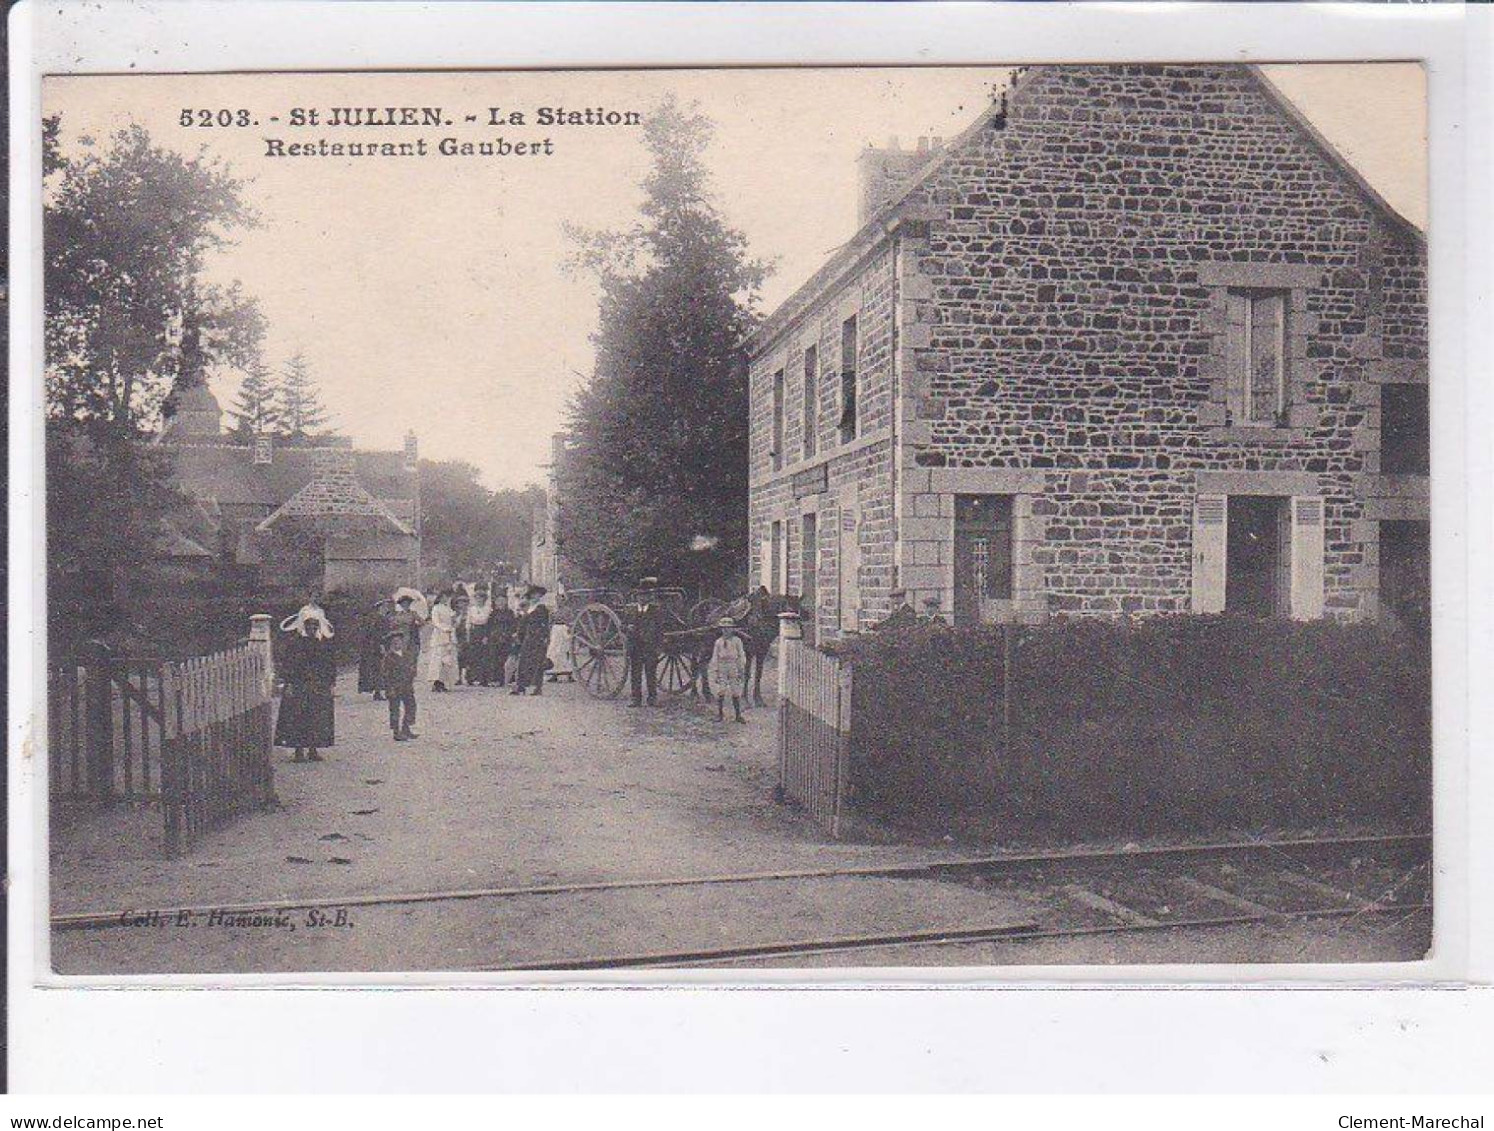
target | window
x=811, y=399
x=848, y=380
x=778, y=421
x=1258, y=378
x=1405, y=430
x=983, y=553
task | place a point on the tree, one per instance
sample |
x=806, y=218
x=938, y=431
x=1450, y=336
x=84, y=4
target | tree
x=653, y=478
x=302, y=415
x=257, y=408
x=127, y=234
x=467, y=526
x=129, y=315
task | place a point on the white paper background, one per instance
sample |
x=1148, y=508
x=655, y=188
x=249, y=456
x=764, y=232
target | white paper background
x=1013, y=1038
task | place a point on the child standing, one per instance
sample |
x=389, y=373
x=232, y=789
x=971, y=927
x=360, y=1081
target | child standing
x=728, y=668
x=399, y=684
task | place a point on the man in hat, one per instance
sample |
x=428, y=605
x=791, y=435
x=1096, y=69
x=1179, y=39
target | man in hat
x=933, y=612
x=645, y=636
x=534, y=643
x=399, y=683
x=903, y=614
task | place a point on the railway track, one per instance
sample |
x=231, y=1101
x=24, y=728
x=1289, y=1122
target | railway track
x=1065, y=894
x=1080, y=895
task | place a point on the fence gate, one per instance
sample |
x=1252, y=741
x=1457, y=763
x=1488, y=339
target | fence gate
x=814, y=731
x=192, y=737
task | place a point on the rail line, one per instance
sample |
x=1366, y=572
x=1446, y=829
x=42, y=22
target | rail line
x=987, y=866
x=1010, y=933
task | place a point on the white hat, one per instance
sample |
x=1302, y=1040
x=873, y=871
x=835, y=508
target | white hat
x=305, y=613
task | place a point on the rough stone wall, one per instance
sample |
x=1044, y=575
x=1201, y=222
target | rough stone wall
x=1070, y=328
x=861, y=468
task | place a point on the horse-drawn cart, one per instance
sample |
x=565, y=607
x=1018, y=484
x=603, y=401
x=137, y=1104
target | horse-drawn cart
x=599, y=645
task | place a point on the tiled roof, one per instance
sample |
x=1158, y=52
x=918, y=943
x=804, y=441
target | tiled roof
x=227, y=472
x=335, y=494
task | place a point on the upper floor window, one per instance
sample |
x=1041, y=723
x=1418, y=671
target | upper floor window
x=1257, y=362
x=778, y=421
x=811, y=399
x=1405, y=430
x=848, y=346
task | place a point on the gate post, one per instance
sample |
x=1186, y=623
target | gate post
x=99, y=719
x=790, y=635
x=259, y=641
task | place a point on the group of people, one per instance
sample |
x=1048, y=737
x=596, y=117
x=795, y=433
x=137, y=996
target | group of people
x=463, y=635
x=478, y=635
x=725, y=660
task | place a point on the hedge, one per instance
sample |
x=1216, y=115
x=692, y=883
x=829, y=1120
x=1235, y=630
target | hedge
x=1168, y=725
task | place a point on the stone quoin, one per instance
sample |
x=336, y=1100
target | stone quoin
x=1139, y=341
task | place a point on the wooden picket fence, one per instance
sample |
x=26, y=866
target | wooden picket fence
x=192, y=737
x=814, y=731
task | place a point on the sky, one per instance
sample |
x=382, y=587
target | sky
x=432, y=293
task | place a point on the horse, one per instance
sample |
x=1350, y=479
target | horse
x=759, y=625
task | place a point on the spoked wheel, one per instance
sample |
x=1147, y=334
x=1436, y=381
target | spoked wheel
x=676, y=671
x=599, y=651
x=706, y=611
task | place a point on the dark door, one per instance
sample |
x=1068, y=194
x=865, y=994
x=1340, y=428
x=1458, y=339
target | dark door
x=983, y=553
x=1406, y=574
x=1253, y=579
x=809, y=578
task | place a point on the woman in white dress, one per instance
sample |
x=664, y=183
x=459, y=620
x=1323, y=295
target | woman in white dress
x=441, y=653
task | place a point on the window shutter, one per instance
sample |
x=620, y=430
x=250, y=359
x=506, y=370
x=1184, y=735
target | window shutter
x=1210, y=527
x=1236, y=355
x=765, y=555
x=1307, y=557
x=850, y=568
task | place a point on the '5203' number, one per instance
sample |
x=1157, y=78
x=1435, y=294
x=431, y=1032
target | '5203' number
x=215, y=118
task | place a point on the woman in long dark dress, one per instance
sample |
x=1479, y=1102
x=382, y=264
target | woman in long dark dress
x=371, y=650
x=309, y=668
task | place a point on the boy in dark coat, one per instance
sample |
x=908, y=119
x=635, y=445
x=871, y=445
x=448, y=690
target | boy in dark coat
x=399, y=684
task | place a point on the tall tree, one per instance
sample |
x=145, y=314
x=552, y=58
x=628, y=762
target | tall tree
x=128, y=231
x=302, y=415
x=257, y=407
x=127, y=234
x=654, y=474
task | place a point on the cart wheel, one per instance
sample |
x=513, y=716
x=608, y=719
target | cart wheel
x=675, y=672
x=706, y=612
x=599, y=651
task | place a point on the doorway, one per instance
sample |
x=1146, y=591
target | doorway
x=983, y=554
x=1257, y=556
x=1406, y=574
x=809, y=578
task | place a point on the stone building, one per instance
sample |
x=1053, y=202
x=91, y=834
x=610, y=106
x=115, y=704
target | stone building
x=322, y=516
x=1139, y=341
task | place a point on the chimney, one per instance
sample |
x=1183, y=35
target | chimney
x=334, y=464
x=883, y=174
x=264, y=448
x=412, y=451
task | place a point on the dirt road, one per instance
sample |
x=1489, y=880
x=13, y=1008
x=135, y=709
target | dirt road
x=501, y=792
x=497, y=791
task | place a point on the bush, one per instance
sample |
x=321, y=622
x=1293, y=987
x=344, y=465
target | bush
x=1168, y=725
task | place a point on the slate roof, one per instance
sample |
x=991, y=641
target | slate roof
x=227, y=472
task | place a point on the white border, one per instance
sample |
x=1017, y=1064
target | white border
x=619, y=1039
